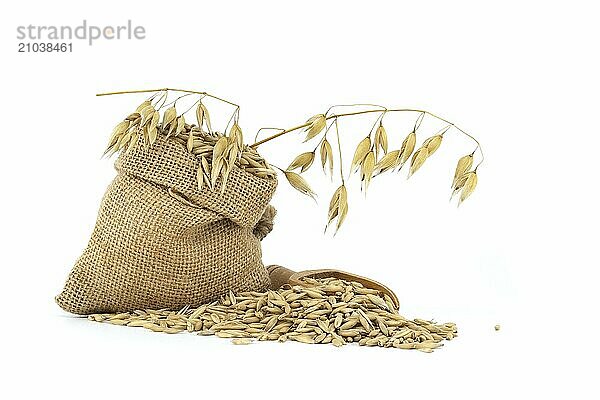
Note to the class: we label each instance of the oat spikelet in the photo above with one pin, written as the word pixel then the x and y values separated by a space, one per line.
pixel 304 161
pixel 147 115
pixel 132 142
pixel 460 182
pixel 152 135
pixel 468 187
pixel 338 207
pixel 133 117
pixel 145 104
pixel 199 114
pixel 172 128
pixel 190 142
pixel 118 131
pixel 463 165
pixel 327 155
pixel 180 125
pixel 153 127
pixel 169 116
pixel 381 141
pixel 367 170
pixel 124 140
pixel 299 183
pixel 215 172
pixel 333 205
pixel 237 136
pixel 408 146
pixel 317 124
pixel 219 148
pixel 387 162
pixel 433 143
pixel 218 159
pixel 230 156
pixel 360 153
pixel 206 117
pixel 418 160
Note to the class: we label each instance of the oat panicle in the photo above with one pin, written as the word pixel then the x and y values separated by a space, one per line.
pixel 218 154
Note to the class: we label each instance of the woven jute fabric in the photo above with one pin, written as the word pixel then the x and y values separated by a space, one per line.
pixel 159 242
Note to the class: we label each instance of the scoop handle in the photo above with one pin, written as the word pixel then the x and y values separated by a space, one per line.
pixel 279 275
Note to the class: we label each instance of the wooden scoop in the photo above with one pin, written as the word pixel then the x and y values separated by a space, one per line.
pixel 280 276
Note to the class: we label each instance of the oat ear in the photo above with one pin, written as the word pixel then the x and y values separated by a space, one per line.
pixel 387 162
pixel 408 146
pixel 316 125
pixel 418 160
pixel 367 168
pixel 338 207
pixel 432 144
pixel 299 183
pixel 462 166
pixel 381 141
pixel 199 114
pixel 303 161
pixel 327 156
pixel 190 142
pixel 468 187
pixel 142 106
pixel 360 153
pixel 206 117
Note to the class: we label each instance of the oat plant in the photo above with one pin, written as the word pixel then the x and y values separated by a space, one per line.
pixel 218 151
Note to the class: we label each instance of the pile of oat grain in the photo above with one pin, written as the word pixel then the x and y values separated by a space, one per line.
pixel 328 311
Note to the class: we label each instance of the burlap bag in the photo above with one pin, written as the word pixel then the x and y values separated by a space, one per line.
pixel 159 242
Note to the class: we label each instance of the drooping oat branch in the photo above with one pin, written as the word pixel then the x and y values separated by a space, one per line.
pixel 371 156
pixel 266 129
pixel 328 117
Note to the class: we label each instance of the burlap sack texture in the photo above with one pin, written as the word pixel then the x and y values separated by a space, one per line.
pixel 159 242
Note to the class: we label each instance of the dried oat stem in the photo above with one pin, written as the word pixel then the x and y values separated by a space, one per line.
pixel 168 90
pixel 337 134
pixel 266 129
pixel 353 105
pixel 283 132
pixel 380 110
pixel 174 102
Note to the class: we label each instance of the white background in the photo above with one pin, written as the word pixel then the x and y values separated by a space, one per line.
pixel 521 76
